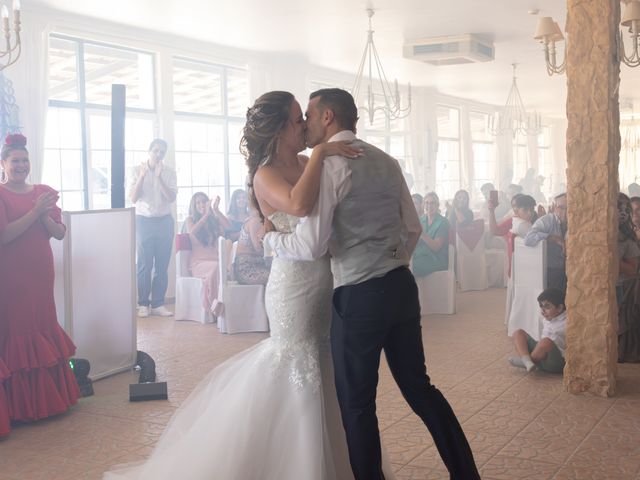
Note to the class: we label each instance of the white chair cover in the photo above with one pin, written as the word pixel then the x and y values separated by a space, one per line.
pixel 243 304
pixel 471 263
pixel 529 280
pixel 189 292
pixel 437 291
pixel 496 257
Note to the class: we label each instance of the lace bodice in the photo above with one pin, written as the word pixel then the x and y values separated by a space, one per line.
pixel 284 222
pixel 298 302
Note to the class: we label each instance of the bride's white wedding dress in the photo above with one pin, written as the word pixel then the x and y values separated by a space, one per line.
pixel 270 412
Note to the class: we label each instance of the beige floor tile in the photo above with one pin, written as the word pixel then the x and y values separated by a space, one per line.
pixel 508 468
pixel 405 440
pixel 519 425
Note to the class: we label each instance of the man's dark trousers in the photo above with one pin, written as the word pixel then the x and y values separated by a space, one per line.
pixel 384 313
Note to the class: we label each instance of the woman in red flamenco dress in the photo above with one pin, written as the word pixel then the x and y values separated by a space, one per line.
pixel 33 347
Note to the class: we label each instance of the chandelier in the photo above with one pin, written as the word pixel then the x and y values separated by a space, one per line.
pixel 391 106
pixel 9 55
pixel 513 118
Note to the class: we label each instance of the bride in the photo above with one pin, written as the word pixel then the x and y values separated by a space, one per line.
pixel 270 412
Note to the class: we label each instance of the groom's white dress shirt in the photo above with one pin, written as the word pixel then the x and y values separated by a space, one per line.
pixel 313 235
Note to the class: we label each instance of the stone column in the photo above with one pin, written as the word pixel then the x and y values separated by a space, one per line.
pixel 593 146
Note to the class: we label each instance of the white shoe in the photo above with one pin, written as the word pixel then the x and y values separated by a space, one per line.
pixel 143 311
pixel 161 311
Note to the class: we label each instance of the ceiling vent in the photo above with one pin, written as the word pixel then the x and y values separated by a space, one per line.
pixel 453 50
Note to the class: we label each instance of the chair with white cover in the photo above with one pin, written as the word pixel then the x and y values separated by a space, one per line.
pixel 496 257
pixel 470 257
pixel 529 280
pixel 189 290
pixel 437 291
pixel 244 309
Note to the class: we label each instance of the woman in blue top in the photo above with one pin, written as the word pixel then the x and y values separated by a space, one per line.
pixel 432 252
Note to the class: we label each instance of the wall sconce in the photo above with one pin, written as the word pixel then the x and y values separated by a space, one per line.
pixel 631 19
pixel 548 33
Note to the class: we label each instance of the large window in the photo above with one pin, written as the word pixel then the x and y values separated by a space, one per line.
pixel 448 156
pixel 210 103
pixel 484 151
pixel 77 157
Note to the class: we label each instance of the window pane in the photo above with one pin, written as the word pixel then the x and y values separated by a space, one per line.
pixel 447 168
pixel 396 147
pixel 197 87
pixel 484 166
pixel 72 201
pixel 377 141
pixel 51 169
pixel 71 169
pixel 105 66
pixel 478 123
pixel 448 122
pixel 63 70
pixel 237 93
pixel 63 167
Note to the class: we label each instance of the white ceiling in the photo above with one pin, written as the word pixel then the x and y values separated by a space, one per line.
pixel 332 33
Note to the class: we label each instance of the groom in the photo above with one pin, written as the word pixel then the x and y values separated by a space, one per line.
pixel 366 219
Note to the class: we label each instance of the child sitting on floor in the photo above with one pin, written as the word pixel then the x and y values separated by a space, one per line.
pixel 548 353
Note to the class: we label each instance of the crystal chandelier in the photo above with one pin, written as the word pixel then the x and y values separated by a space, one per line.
pixel 513 118
pixel 391 106
pixel 9 55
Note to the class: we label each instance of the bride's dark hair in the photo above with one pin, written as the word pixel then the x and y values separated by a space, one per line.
pixel 259 142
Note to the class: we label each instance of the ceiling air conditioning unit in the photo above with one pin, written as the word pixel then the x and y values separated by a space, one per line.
pixel 452 50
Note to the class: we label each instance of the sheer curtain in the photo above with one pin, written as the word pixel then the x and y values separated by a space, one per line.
pixel 30 80
pixel 629 168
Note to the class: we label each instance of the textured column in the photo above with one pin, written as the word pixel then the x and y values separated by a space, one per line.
pixel 593 146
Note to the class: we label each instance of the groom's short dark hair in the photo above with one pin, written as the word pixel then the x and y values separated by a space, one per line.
pixel 341 103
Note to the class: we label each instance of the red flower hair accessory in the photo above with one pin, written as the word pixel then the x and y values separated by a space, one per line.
pixel 15 140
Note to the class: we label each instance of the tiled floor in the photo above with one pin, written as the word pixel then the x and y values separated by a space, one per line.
pixel 520 426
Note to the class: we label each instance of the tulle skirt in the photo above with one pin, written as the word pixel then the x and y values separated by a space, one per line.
pixel 247 420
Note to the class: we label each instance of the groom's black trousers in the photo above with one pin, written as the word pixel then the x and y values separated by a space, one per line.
pixel 384 313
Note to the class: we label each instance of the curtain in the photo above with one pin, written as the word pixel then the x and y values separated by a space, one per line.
pixel 30 80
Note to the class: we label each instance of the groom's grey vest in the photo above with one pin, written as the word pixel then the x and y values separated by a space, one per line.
pixel 368 232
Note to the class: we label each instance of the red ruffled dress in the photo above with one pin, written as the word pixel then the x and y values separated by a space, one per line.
pixel 33 346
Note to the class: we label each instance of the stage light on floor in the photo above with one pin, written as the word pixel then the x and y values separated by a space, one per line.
pixel 81 368
pixel 147 388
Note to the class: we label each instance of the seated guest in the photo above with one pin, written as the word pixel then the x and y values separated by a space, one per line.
pixel 432 251
pixel 237 214
pixel 635 215
pixel 459 213
pixel 205 224
pixel 518 225
pixel 548 353
pixel 250 266
pixel 627 285
pixel 552 227
pixel 418 202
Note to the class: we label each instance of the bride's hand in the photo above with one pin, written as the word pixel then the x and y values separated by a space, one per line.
pixel 342 147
